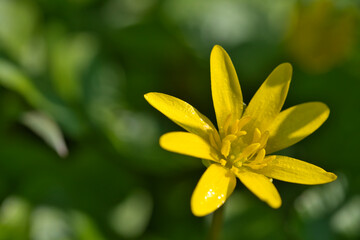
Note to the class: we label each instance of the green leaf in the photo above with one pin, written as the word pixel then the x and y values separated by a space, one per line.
pixel 69 56
pixel 49 223
pixel 84 227
pixel 14 218
pixel 46 128
pixel 12 77
pixel 18 20
pixel 131 217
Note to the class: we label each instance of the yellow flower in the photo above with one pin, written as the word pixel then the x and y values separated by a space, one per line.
pixel 244 136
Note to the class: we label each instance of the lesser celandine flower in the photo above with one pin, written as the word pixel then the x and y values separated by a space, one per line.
pixel 245 136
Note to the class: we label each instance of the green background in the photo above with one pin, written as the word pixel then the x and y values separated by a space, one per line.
pixel 79 153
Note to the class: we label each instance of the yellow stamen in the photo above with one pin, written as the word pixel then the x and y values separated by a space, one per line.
pixel 225 148
pixel 230 137
pixel 227 124
pixel 243 121
pixel 217 138
pixel 235 127
pixel 257 135
pixel 241 133
pixel 250 149
pixel 212 141
pixel 234 169
pixel 259 161
pixel 238 164
pixel 259 157
pixel 223 162
pixel 264 139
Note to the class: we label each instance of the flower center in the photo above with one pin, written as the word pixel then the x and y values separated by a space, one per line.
pixel 234 150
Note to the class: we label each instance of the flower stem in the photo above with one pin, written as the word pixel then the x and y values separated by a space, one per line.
pixel 216 224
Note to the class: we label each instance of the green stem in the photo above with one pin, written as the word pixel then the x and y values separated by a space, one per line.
pixel 216 224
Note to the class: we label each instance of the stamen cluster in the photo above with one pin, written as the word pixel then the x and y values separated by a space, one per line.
pixel 235 148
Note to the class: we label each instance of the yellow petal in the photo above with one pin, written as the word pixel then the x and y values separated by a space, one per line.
pixel 181 113
pixel 269 99
pixel 225 88
pixel 188 144
pixel 296 171
pixel 215 186
pixel 295 123
pixel 261 186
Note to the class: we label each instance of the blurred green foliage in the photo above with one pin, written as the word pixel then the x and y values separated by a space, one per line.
pixel 79 154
